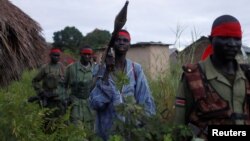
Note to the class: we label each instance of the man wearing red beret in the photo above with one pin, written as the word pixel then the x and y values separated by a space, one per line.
pixel 51 75
pixel 78 79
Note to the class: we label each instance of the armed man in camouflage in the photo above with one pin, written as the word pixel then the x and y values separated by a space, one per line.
pixel 216 90
pixel 50 93
pixel 78 79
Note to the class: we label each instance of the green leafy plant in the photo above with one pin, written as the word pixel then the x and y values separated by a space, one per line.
pixel 121 79
pixel 22 121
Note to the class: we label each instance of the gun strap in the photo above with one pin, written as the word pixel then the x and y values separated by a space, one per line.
pixel 135 75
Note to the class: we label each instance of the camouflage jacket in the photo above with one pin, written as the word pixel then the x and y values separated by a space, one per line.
pixel 205 96
pixel 78 79
pixel 51 76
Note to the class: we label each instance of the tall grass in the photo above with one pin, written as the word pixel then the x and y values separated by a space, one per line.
pixel 164 90
pixel 22 121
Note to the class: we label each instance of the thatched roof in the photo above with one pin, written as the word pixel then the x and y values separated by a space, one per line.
pixel 193 52
pixel 21 42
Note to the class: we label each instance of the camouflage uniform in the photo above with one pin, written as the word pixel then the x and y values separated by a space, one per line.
pixel 79 81
pixel 231 90
pixel 52 77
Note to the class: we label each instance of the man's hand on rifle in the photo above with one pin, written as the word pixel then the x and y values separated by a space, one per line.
pixel 48 95
pixel 110 62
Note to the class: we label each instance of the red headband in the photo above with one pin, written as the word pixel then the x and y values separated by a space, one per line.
pixel 208 51
pixel 125 34
pixel 55 51
pixel 231 29
pixel 86 51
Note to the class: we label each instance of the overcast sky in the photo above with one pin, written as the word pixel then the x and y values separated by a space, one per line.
pixel 147 20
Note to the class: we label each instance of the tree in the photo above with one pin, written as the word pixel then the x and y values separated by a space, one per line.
pixel 97 38
pixel 68 38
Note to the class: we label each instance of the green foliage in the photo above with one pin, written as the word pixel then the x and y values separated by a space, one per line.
pixel 97 39
pixel 130 129
pixel 138 125
pixel 68 38
pixel 164 89
pixel 72 53
pixel 181 133
pixel 121 79
pixel 23 121
pixel 116 138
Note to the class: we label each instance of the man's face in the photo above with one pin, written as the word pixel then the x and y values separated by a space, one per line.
pixel 85 57
pixel 122 44
pixel 55 57
pixel 226 48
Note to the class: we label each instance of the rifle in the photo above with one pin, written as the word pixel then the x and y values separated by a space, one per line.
pixel 43 98
pixel 120 21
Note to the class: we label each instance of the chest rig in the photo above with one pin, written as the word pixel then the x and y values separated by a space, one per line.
pixel 209 107
pixel 54 75
pixel 82 81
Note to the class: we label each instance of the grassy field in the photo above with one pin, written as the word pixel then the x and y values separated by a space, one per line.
pixel 22 121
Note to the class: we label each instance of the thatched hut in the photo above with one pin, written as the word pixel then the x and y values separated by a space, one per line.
pixel 21 42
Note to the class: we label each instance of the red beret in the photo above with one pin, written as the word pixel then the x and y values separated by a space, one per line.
pixel 86 51
pixel 124 33
pixel 55 50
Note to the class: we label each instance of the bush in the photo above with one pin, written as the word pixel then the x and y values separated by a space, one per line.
pixel 22 121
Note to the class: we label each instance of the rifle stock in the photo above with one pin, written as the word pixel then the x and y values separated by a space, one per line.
pixel 43 97
pixel 120 21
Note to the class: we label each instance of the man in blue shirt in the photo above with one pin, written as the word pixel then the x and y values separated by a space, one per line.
pixel 106 94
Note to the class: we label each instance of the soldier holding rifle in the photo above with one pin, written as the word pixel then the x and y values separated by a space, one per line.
pixel 51 93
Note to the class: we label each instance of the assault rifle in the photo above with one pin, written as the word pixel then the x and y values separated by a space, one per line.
pixel 120 21
pixel 43 98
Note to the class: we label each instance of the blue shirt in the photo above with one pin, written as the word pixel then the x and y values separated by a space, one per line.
pixel 103 97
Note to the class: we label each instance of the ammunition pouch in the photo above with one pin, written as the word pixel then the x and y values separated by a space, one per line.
pixel 51 81
pixel 45 98
pixel 80 90
pixel 49 99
